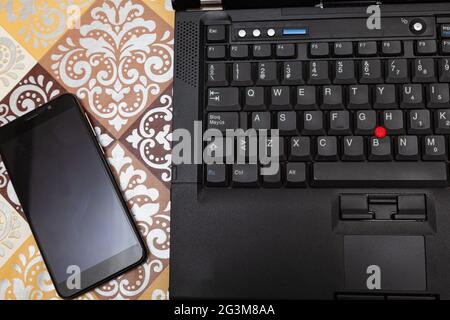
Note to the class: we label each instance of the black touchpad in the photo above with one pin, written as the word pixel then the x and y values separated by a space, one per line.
pixel 385 262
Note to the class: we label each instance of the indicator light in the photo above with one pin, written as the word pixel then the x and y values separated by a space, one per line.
pixel 295 31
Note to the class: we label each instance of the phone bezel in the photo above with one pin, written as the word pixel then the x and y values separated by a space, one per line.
pixel 99 273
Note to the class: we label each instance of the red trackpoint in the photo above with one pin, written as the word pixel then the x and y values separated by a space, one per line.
pixel 380 132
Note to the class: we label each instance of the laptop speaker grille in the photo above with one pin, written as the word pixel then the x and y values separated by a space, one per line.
pixel 187 52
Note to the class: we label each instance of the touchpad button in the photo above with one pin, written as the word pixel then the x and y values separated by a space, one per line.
pixel 385 262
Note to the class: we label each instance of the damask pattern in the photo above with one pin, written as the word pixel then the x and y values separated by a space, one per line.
pixel 151 139
pixel 37 24
pixel 15 62
pixel 120 64
pixel 27 278
pixel 13 230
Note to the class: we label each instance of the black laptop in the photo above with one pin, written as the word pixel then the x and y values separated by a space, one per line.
pixel 359 94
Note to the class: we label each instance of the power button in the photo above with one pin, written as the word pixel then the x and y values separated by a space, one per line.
pixel 417 26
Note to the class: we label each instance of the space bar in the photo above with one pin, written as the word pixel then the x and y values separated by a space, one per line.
pixel 379 174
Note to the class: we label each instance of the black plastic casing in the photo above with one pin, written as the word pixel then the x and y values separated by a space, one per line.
pixel 277 243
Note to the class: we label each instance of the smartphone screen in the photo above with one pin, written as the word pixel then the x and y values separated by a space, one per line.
pixel 71 202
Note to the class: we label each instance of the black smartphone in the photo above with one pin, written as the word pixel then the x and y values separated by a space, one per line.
pixel 75 209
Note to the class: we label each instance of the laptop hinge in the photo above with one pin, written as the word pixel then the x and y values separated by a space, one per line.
pixel 331 3
pixel 181 5
pixel 211 5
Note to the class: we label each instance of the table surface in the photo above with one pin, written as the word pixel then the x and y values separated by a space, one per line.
pixel 119 61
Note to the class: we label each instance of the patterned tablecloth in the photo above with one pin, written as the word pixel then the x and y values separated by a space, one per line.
pixel 118 60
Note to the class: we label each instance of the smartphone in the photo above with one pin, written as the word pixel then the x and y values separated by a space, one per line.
pixel 75 209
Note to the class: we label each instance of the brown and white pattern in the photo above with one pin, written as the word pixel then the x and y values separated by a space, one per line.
pixel 13 230
pixel 151 138
pixel 15 62
pixel 118 62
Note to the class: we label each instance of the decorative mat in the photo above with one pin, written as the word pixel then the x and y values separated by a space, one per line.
pixel 117 57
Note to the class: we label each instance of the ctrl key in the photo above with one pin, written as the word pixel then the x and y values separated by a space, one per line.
pixel 245 175
pixel 216 175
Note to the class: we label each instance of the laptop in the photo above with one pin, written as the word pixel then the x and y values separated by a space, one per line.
pixel 358 92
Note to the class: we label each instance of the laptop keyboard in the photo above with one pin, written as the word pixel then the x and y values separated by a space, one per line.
pixel 372 113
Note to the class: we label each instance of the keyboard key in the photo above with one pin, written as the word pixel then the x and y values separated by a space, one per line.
pixel 239 51
pixel 242 74
pixel 300 149
pixel 292 73
pixel 280 98
pixel 442 121
pixel 319 49
pixel 306 98
pixel 244 175
pixel 295 174
pixel 344 72
pixel 397 71
pixel 438 95
pixel 332 98
pixel 411 96
pixel 391 48
pixel 254 99
pixel 385 97
pixel 216 74
pixel 216 52
pixel 434 148
pixel 267 73
pixel 343 49
pixel 371 71
pixel 358 97
pixel 216 33
pixel 366 121
pixel 445 47
pixel 379 174
pixel 287 122
pixel 339 123
pixel 261 121
pixel 223 121
pixel 272 180
pixel 392 120
pixel 444 70
pixel 367 48
pixel 423 71
pixel 215 151
pixel 407 148
pixel 319 72
pixel 426 47
pixel 270 146
pixel 285 50
pixel 223 99
pixel 353 148
pixel 326 149
pixel 444 31
pixel 313 123
pixel 243 120
pixel 380 149
pixel 419 122
pixel 243 152
pixel 261 51
pixel 216 175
